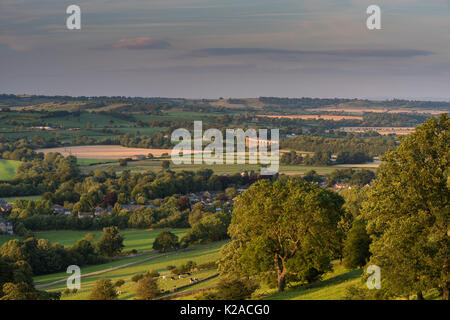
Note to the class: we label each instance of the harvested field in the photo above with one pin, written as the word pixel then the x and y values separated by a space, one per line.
pixel 377 110
pixel 105 152
pixel 313 116
pixel 381 130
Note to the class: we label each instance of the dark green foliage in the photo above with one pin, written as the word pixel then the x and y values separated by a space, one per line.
pixel 119 283
pixel 103 290
pixel 288 229
pixel 111 242
pixel 147 289
pixel 356 246
pixel 230 288
pixel 165 241
pixel 137 277
pixel 407 212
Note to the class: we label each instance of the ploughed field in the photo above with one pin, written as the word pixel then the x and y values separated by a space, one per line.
pixel 105 152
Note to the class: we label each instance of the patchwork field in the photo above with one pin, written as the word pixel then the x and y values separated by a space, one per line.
pixel 158 262
pixel 332 287
pixel 12 199
pixel 104 152
pixel 312 116
pixel 141 240
pixel 377 110
pixel 156 165
pixel 8 169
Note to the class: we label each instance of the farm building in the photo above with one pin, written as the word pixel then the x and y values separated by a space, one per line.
pixel 5 207
pixel 138 157
pixel 6 227
pixel 85 214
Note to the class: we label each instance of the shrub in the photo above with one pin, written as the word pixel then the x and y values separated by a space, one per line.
pixel 147 289
pixel 137 277
pixel 119 283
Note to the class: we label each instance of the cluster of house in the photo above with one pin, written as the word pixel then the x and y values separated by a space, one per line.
pixel 208 197
pixel 99 211
pixel 5 207
pixel 6 227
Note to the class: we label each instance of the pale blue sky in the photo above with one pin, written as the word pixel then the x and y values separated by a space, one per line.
pixel 228 48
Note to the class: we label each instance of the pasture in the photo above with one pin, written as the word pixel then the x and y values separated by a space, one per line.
pixel 158 262
pixel 8 169
pixel 141 240
pixel 156 165
pixel 12 199
pixel 331 287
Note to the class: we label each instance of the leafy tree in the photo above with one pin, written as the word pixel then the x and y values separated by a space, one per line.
pixel 18 291
pixel 152 274
pixel 137 277
pixel 407 212
pixel 119 283
pixel 123 162
pixel 111 242
pixel 165 164
pixel 235 288
pixel 103 290
pixel 147 289
pixel 356 246
pixel 165 240
pixel 285 228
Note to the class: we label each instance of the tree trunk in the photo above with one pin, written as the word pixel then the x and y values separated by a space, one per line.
pixel 445 293
pixel 420 296
pixel 281 282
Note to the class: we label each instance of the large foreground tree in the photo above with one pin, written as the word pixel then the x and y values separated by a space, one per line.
pixel 285 230
pixel 408 212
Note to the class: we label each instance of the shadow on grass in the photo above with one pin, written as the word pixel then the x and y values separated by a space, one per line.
pixel 298 291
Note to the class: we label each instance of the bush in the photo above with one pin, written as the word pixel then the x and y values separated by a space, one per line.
pixel 119 283
pixel 137 277
pixel 356 246
pixel 147 289
pixel 165 240
pixel 152 274
pixel 232 288
pixel 103 290
pixel 207 265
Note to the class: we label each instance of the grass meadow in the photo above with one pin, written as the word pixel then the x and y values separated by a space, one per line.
pixel 8 169
pixel 159 262
pixel 141 240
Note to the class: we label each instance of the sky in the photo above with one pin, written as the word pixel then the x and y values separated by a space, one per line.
pixel 226 48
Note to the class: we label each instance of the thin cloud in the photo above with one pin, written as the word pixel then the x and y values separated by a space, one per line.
pixel 396 53
pixel 141 43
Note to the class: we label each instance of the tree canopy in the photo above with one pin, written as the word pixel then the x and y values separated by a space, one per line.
pixel 285 230
pixel 407 211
